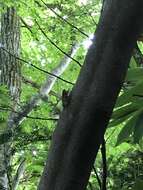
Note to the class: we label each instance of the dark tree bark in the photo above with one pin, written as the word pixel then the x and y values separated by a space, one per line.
pixel 10 75
pixel 83 122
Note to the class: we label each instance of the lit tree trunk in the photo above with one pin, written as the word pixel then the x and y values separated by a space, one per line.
pixel 83 122
pixel 9 76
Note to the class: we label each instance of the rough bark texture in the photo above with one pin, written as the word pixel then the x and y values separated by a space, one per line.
pixel 10 39
pixel 83 122
pixel 9 76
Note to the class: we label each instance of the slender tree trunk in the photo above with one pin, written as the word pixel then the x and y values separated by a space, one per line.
pixel 10 71
pixel 9 66
pixel 83 122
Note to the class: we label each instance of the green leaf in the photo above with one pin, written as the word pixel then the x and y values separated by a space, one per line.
pixel 121 114
pixel 138 185
pixel 130 95
pixel 134 75
pixel 116 122
pixel 126 110
pixel 133 63
pixel 35 168
pixel 127 129
pixel 138 130
pixel 2 126
pixel 5 137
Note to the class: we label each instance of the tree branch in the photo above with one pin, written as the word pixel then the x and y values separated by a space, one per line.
pixel 45 88
pixel 34 66
pixel 18 175
pixel 29 81
pixel 43 32
pixel 29 117
pixel 97 177
pixel 104 174
pixel 38 86
pixel 64 19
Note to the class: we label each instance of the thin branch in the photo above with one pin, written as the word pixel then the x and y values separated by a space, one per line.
pixel 18 175
pixel 64 19
pixel 56 45
pixel 92 18
pixel 90 185
pixel 26 140
pixel 29 117
pixel 26 25
pixel 38 86
pixel 104 175
pixel 45 88
pixel 97 177
pixel 110 135
pixel 103 4
pixel 34 66
pixel 7 167
pixel 42 118
pixel 49 40
pixel 29 81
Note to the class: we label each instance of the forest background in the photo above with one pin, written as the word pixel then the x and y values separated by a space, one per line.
pixel 42 49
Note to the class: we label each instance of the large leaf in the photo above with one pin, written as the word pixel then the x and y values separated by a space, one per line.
pixel 134 75
pixel 127 109
pixel 118 121
pixel 121 114
pixel 128 129
pixel 138 130
pixel 130 95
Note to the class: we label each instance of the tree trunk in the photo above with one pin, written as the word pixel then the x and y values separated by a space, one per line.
pixel 83 122
pixel 10 69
